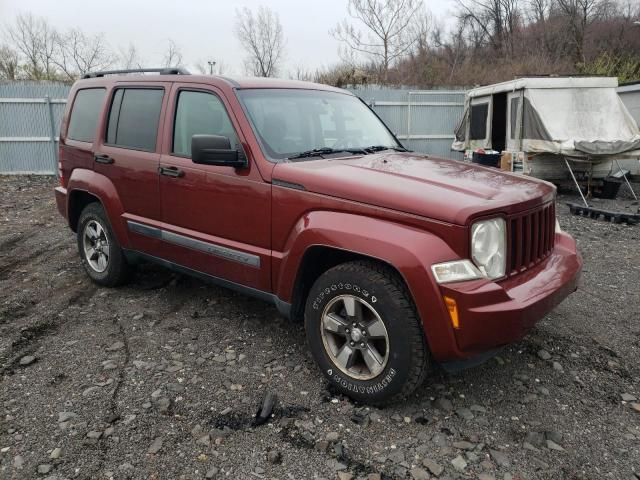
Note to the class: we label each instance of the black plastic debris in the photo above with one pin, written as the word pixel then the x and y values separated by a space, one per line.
pixel 609 216
pixel 265 409
pixel 360 417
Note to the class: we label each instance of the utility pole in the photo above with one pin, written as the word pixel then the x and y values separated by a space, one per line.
pixel 211 65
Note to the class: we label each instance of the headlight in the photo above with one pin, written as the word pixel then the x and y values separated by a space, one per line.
pixel 489 247
pixel 456 271
pixel 558 229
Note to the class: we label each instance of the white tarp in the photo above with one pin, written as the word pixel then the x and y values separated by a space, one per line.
pixel 591 121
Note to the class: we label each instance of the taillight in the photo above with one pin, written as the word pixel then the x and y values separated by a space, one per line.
pixel 60 175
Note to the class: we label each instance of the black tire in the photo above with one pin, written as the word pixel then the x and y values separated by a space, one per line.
pixel 117 269
pixel 381 288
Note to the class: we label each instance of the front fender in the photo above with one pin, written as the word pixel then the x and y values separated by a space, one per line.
pixel 101 187
pixel 411 251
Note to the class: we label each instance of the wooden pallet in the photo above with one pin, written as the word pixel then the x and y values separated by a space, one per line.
pixel 608 215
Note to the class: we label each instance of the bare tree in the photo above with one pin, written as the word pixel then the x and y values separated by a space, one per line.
pixel 129 58
pixel 300 72
pixel 383 31
pixel 262 37
pixel 496 20
pixel 422 29
pixel 173 55
pixel 579 14
pixel 78 53
pixel 35 40
pixel 9 63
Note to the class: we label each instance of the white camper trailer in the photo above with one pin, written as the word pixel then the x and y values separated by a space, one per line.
pixel 551 127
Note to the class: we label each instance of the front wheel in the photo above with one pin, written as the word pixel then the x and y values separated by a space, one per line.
pixel 364 333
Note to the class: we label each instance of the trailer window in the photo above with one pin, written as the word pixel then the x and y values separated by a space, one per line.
pixel 478 129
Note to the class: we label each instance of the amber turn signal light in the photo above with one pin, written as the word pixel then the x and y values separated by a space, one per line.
pixel 453 311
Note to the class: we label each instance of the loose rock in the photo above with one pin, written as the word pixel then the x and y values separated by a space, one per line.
pixel 418 473
pixel 115 346
pixel 459 463
pixel 433 466
pixel 212 472
pixel 66 416
pixel 56 453
pixel 27 360
pixel 500 458
pixel 443 404
pixel 544 355
pixel 155 446
pixel 551 445
pixel 274 457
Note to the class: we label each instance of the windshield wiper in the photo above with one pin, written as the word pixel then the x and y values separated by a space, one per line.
pixel 319 152
pixel 379 148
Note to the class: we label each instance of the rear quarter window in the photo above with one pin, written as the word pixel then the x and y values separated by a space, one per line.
pixel 86 109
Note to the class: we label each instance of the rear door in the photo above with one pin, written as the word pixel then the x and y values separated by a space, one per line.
pixel 129 156
pixel 216 219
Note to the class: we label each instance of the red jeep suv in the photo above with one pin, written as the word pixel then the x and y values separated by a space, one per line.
pixel 298 194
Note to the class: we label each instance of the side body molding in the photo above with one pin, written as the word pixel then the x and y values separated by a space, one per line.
pixel 409 250
pixel 100 186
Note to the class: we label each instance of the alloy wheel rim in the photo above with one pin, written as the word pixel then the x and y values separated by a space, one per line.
pixel 96 246
pixel 354 337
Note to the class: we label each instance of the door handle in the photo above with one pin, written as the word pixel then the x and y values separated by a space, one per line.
pixel 171 172
pixel 106 159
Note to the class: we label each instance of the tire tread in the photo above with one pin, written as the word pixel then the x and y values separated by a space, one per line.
pixel 389 279
pixel 119 269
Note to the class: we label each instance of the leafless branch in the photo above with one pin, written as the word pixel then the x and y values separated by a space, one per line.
pixel 262 37
pixel 382 30
pixel 172 56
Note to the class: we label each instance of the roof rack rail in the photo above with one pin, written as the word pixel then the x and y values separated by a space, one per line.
pixel 161 71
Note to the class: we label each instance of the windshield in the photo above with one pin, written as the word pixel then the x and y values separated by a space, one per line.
pixel 291 122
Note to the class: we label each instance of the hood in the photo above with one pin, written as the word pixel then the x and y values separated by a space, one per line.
pixel 437 188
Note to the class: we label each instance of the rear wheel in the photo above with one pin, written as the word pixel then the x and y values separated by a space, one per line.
pixel 364 333
pixel 101 256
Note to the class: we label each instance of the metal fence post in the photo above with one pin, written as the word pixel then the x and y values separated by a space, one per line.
pixel 409 116
pixel 52 128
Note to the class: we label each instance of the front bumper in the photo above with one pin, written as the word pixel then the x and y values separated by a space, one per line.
pixel 493 314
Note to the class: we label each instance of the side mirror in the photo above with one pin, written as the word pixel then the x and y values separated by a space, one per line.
pixel 216 150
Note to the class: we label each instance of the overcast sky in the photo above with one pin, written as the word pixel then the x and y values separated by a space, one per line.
pixel 203 29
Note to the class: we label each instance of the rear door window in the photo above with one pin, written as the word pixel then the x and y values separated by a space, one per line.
pixel 134 118
pixel 84 114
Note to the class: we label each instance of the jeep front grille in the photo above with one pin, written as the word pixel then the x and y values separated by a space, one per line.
pixel 530 238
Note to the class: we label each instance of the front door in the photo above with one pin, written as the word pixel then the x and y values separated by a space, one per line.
pixel 216 219
pixel 129 156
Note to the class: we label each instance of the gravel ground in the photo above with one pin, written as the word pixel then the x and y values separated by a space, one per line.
pixel 162 378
